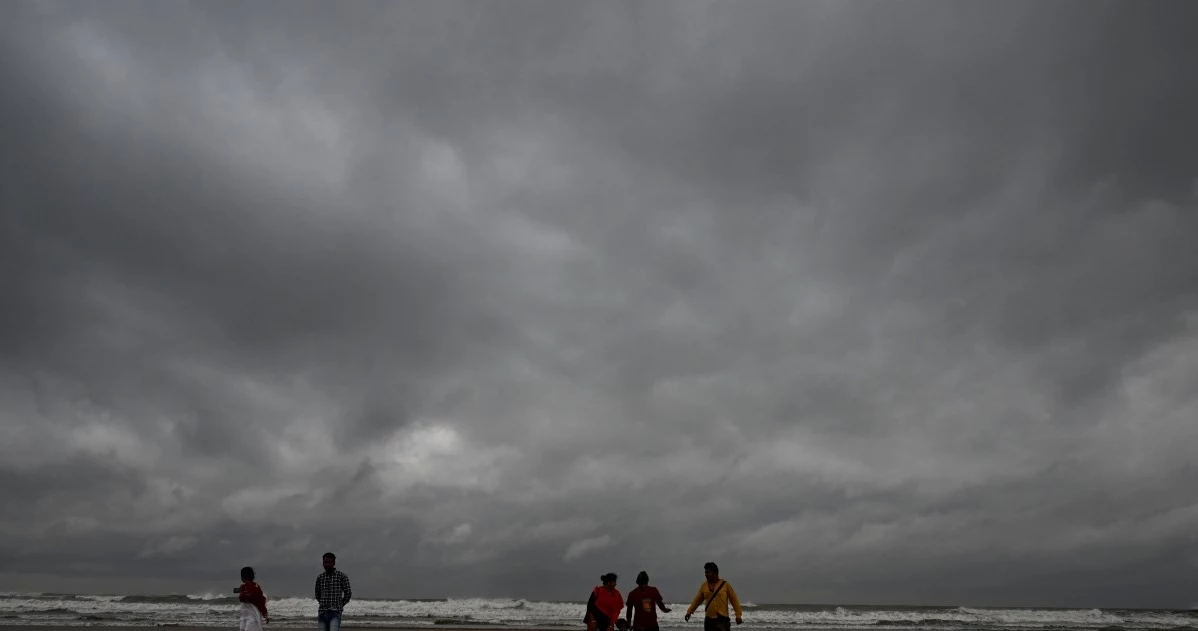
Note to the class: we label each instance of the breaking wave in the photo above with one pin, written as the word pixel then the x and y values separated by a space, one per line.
pixel 221 610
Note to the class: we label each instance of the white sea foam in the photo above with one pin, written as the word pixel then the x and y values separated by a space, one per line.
pixel 210 609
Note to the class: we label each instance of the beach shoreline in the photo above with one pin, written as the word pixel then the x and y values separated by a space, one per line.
pixel 233 625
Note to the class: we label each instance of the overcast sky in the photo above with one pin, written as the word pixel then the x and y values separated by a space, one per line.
pixel 867 302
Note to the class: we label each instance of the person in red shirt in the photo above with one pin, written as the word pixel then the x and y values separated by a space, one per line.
pixel 253 602
pixel 603 609
pixel 643 603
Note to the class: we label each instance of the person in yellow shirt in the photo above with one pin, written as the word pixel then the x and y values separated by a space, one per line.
pixel 716 593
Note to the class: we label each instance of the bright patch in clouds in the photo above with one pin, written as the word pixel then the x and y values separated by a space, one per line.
pixel 584 547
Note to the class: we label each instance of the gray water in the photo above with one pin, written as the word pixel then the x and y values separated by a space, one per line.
pixel 222 610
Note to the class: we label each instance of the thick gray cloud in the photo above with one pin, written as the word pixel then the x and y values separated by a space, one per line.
pixel 866 302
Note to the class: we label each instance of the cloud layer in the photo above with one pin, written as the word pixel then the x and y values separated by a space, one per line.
pixel 868 303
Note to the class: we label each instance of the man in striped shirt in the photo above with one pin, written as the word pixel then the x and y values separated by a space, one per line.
pixel 332 593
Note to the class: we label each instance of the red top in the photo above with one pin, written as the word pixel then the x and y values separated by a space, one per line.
pixel 251 593
pixel 644 600
pixel 609 602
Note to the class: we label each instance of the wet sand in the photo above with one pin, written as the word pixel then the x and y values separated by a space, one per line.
pixel 273 625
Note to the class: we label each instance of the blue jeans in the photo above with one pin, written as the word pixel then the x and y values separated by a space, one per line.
pixel 329 621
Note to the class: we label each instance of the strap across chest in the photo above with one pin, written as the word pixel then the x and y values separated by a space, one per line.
pixel 711 598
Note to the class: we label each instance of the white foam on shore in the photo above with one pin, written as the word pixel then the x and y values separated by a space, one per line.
pixel 209 609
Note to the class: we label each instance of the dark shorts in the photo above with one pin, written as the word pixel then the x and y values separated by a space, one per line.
pixel 718 623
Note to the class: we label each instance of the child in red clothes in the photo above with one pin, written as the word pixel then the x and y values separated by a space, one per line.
pixel 253 602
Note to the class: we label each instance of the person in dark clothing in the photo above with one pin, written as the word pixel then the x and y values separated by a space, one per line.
pixel 643 603
pixel 332 593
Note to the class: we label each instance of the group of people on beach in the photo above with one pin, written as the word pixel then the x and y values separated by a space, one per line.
pixel 608 611
pixel 333 592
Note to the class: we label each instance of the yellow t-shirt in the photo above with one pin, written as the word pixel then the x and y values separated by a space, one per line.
pixel 719 605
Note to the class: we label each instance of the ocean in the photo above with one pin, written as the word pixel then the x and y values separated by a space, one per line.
pixel 221 611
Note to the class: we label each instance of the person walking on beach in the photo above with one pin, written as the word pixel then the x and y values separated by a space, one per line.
pixel 253 602
pixel 332 594
pixel 603 608
pixel 716 594
pixel 643 602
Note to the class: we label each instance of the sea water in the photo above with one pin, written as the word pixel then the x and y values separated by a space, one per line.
pixel 221 610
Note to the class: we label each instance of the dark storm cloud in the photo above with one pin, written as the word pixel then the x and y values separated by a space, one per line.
pixel 864 301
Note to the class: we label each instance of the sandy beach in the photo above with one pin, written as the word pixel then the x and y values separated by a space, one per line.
pixel 284 625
